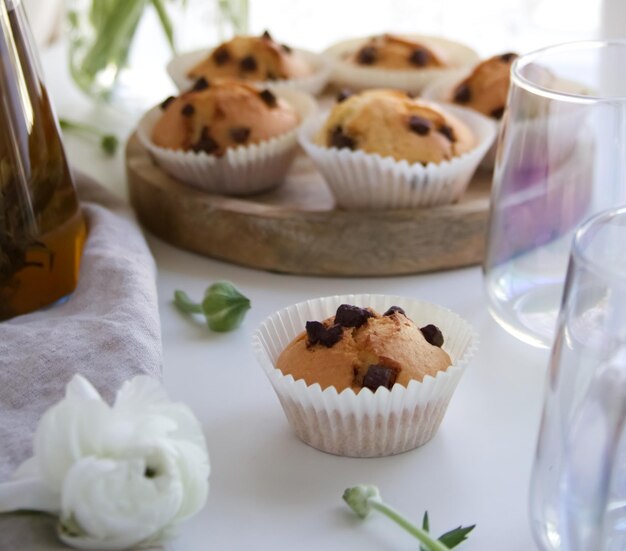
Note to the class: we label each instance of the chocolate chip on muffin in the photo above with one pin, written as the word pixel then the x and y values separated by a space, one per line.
pixel 351 316
pixel 201 84
pixel 367 55
pixel 205 142
pixel 318 333
pixel 419 57
pixel 248 63
pixel 221 56
pixel 432 334
pixel 379 375
pixel 420 125
pixel 268 97
pixel 462 94
pixel 188 110
pixel 240 134
pixel 394 310
pixel 341 140
pixel 166 102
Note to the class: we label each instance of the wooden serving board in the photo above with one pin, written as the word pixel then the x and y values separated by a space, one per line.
pixel 296 228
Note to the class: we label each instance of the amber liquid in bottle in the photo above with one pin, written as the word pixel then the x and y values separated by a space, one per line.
pixel 42 230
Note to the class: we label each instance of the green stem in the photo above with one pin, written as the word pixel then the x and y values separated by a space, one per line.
pixel 66 124
pixel 166 23
pixel 113 37
pixel 421 535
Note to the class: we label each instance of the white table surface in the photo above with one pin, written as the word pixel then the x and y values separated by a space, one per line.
pixel 271 491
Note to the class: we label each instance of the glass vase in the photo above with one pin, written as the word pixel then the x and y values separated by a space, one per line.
pixel 41 226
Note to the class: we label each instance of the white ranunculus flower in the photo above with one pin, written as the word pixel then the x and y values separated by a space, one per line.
pixel 117 476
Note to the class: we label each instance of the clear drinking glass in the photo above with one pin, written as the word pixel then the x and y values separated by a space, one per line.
pixel 578 486
pixel 561 158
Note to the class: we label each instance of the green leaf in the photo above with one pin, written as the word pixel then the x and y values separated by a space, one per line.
pixel 166 23
pixel 425 527
pixel 454 537
pixel 224 306
pixel 109 144
pixel 185 304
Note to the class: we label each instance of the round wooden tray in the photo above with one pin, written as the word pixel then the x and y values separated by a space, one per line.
pixel 296 228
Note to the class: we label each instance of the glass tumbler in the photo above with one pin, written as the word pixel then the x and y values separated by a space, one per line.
pixel 578 485
pixel 561 158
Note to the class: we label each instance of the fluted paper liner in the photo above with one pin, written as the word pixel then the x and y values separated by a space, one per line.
pixel 364 424
pixel 313 84
pixel 361 77
pixel 242 170
pixel 366 181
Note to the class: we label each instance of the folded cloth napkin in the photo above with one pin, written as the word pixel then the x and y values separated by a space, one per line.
pixel 108 330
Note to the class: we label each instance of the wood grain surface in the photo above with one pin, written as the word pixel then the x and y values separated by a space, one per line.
pixel 296 229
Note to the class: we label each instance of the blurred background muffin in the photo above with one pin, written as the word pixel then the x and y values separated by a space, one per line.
pixel 220 115
pixel 486 88
pixel 393 124
pixel 256 58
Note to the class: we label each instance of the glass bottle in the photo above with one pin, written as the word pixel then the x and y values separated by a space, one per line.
pixel 42 230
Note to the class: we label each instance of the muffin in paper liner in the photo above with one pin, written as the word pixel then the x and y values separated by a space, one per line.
pixel 440 90
pixel 355 77
pixel 368 181
pixel 313 83
pixel 243 170
pixel 364 424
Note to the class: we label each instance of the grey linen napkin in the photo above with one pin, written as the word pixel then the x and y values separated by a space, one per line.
pixel 108 330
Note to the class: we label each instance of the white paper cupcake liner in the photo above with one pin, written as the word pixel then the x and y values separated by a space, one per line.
pixel 354 77
pixel 243 170
pixel 313 84
pixel 364 424
pixel 366 181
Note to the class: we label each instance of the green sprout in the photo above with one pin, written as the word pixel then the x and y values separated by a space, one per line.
pixel 223 306
pixel 365 498
pixel 108 142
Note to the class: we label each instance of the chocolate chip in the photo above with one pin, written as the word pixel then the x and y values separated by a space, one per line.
pixel 248 64
pixel 287 49
pixel 351 316
pixel 221 56
pixel 508 57
pixel 270 76
pixel 343 95
pixel 379 375
pixel 419 57
pixel 462 94
pixel 432 334
pixel 205 142
pixel 367 55
pixel 318 334
pixel 266 34
pixel 188 110
pixel 394 310
pixel 497 112
pixel 448 132
pixel 240 134
pixel 166 102
pixel 340 140
pixel 268 98
pixel 201 84
pixel 420 125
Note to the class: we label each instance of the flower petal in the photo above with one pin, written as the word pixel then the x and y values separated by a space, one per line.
pixel 28 494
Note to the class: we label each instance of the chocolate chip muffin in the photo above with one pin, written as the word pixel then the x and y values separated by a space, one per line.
pixel 388 51
pixel 256 58
pixel 359 348
pixel 394 124
pixel 216 116
pixel 485 90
